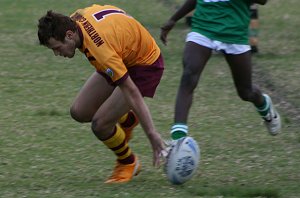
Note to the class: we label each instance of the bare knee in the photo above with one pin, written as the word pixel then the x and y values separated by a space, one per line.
pixel 189 80
pixel 102 129
pixel 79 115
pixel 95 126
pixel 246 95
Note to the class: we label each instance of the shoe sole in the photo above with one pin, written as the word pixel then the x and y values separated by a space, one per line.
pixel 136 171
pixel 137 168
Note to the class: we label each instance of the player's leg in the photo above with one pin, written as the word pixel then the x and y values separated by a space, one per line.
pixel 90 99
pixel 194 60
pixel 105 127
pixel 128 122
pixel 85 105
pixel 241 69
pixel 91 96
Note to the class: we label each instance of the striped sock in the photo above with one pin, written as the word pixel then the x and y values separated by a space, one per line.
pixel 179 130
pixel 127 120
pixel 123 118
pixel 265 108
pixel 119 146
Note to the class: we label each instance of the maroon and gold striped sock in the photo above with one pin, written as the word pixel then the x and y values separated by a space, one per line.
pixel 119 146
pixel 127 120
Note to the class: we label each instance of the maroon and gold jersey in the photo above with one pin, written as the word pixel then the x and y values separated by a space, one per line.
pixel 114 41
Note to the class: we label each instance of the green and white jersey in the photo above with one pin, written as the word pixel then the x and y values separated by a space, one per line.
pixel 223 20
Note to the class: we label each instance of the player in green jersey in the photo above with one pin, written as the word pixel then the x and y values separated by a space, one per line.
pixel 220 25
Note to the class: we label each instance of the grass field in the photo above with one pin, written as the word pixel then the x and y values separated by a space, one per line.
pixel 44 153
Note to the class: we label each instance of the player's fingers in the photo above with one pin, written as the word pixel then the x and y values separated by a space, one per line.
pixel 154 161
pixel 165 29
pixel 157 158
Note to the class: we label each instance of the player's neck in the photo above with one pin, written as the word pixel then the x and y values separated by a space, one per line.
pixel 78 38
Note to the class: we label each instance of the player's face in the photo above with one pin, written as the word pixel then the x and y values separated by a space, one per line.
pixel 65 49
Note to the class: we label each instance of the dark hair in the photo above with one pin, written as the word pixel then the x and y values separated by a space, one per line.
pixel 54 25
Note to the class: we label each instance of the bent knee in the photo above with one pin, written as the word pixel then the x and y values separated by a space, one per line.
pixel 102 129
pixel 79 115
pixel 189 80
pixel 246 95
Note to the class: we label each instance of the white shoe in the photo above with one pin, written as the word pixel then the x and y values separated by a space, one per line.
pixel 272 119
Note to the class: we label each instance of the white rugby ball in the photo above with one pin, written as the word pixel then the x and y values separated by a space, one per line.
pixel 182 160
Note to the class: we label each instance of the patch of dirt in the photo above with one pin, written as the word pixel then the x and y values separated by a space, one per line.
pixel 265 82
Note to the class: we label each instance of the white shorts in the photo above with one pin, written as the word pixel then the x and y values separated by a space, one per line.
pixel 216 45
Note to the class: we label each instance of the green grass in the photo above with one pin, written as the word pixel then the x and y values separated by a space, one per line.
pixel 44 153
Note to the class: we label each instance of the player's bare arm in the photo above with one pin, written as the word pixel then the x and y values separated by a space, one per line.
pixel 137 103
pixel 186 8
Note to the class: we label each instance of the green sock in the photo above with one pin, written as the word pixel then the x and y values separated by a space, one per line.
pixel 264 109
pixel 178 131
pixel 177 135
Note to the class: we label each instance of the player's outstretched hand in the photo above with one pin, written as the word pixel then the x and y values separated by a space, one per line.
pixel 157 146
pixel 165 29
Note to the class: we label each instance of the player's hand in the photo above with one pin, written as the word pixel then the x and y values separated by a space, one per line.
pixel 165 29
pixel 157 146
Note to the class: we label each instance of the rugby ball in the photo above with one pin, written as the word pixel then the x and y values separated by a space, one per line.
pixel 182 160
